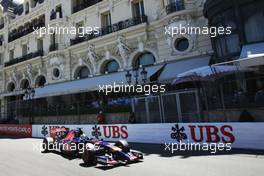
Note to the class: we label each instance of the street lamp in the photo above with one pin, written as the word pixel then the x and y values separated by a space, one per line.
pixel 144 75
pixel 135 72
pixel 128 77
pixel 29 95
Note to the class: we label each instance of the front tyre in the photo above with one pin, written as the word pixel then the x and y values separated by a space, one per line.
pixel 88 155
pixel 123 145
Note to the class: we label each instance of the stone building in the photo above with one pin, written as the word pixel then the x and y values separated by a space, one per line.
pixel 132 34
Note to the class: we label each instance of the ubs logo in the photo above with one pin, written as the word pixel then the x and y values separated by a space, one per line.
pixel 178 133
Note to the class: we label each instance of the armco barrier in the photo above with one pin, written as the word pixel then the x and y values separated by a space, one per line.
pixel 240 135
pixel 11 130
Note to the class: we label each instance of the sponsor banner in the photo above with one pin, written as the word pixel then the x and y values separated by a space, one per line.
pixel 240 135
pixel 15 130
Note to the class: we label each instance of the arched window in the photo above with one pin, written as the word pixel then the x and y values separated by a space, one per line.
pixel 40 81
pixel 145 59
pixel 254 26
pixel 82 72
pixel 11 87
pixel 24 84
pixel 111 67
pixel 226 45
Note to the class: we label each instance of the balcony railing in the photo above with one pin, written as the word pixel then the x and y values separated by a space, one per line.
pixel 174 7
pixel 54 47
pixel 112 28
pixel 26 30
pixel 24 58
pixel 2 26
pixel 86 4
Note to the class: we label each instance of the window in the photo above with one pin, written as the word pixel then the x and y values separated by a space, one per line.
pixel 11 87
pixel 1 59
pixel 40 44
pixel 145 59
pixel 53 39
pixel 253 20
pixel 27 8
pixel 58 10
pixel 24 84
pixel 56 73
pixel 106 19
pixel 254 26
pixel 138 8
pixel 111 67
pixel 11 54
pixel 40 81
pixel 24 50
pixel 181 44
pixel 33 3
pixel 106 23
pixel 80 29
pixel 82 72
pixel 226 45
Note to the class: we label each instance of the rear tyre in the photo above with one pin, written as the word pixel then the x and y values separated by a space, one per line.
pixel 123 145
pixel 89 156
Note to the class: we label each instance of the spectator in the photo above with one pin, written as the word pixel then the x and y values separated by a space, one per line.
pixel 100 118
pixel 132 118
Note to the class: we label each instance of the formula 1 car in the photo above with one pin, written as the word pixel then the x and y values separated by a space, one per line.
pixel 110 153
pixel 92 151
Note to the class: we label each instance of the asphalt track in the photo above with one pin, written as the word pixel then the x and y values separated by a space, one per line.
pixel 19 158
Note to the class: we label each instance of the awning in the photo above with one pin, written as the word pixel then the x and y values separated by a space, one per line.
pixel 88 84
pixel 172 70
pixel 251 55
pixel 256 49
pixel 206 73
pixel 9 94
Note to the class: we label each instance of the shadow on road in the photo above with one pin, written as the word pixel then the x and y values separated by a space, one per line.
pixel 108 167
pixel 159 149
pixel 64 155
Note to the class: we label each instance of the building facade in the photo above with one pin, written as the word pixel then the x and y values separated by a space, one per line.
pixel 132 33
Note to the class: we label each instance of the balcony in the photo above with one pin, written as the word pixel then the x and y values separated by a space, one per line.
pixel 54 47
pixel 24 58
pixel 112 28
pixel 174 7
pixel 86 4
pixel 24 31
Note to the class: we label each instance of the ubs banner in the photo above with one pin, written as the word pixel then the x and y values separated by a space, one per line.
pixel 240 135
pixel 16 130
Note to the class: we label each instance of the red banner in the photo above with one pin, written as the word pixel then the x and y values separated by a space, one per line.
pixel 15 130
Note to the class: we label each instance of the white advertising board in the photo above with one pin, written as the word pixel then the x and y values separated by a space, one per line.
pixel 240 135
